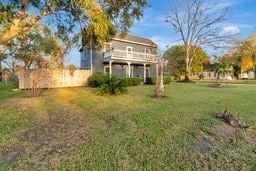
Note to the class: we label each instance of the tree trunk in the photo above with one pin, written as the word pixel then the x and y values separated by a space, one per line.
pixel 1 74
pixel 254 69
pixel 187 72
pixel 11 33
pixel 157 86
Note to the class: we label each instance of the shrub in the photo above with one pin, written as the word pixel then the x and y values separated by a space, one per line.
pixel 150 80
pixel 97 79
pixel 131 81
pixel 113 86
pixel 167 80
pixel 135 81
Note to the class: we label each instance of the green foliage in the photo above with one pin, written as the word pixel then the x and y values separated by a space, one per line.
pixel 98 19
pixel 134 81
pixel 36 48
pixel 150 81
pixel 98 79
pixel 131 132
pixel 176 56
pixel 113 86
pixel 220 67
pixel 167 80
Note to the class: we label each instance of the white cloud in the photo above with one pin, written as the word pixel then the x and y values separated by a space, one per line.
pixel 230 30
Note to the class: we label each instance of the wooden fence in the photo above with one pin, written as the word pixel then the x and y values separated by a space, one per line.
pixel 46 78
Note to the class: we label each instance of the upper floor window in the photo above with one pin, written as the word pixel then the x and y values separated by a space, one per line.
pixel 147 52
pixel 129 52
pixel 107 47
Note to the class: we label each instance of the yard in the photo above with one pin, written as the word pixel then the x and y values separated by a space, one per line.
pixel 74 129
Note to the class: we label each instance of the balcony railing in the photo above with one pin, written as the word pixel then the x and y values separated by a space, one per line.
pixel 122 54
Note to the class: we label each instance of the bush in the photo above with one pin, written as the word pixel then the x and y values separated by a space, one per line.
pixel 131 81
pixel 167 80
pixel 97 79
pixel 135 81
pixel 150 81
pixel 113 86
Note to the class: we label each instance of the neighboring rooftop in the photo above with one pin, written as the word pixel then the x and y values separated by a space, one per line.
pixel 135 39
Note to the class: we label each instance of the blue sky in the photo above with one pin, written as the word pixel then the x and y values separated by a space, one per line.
pixel 153 26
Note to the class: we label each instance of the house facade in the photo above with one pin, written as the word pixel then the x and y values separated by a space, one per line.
pixel 128 56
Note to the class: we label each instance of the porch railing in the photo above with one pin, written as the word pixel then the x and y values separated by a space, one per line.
pixel 122 54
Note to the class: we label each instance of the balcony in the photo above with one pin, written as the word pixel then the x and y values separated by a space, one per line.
pixel 123 55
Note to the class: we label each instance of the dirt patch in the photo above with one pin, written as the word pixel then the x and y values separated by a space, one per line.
pixel 10 155
pixel 52 139
pixel 158 97
pixel 204 145
pixel 215 138
pixel 59 137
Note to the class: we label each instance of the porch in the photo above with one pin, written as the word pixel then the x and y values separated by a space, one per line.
pixel 128 69
pixel 135 63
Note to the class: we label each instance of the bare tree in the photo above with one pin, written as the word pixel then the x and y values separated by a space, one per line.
pixel 198 23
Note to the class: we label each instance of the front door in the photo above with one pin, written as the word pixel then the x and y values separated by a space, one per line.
pixel 129 52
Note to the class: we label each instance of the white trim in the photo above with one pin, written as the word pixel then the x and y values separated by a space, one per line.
pixel 129 53
pixel 128 41
pixel 127 71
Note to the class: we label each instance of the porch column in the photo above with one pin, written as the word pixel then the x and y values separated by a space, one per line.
pixel 110 68
pixel 129 69
pixel 145 73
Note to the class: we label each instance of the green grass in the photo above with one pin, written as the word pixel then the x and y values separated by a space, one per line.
pixel 6 91
pixel 132 131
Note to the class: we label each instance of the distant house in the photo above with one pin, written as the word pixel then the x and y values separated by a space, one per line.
pixel 247 75
pixel 128 56
pixel 209 74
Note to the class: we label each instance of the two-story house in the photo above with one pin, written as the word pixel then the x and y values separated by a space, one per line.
pixel 128 56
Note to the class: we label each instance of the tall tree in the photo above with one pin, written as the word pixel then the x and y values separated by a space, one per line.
pixel 176 56
pixel 34 49
pixel 247 53
pixel 102 17
pixel 198 24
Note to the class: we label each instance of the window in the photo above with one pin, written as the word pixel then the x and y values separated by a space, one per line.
pixel 147 52
pixel 129 52
pixel 106 70
pixel 107 47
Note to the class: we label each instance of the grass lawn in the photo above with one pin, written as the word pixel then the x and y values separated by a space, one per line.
pixel 74 129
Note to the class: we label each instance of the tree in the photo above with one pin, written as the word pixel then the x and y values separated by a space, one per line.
pixel 103 18
pixel 34 49
pixel 219 68
pixel 247 53
pixel 176 56
pixel 198 24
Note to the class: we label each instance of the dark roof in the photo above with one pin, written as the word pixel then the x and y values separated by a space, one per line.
pixel 136 39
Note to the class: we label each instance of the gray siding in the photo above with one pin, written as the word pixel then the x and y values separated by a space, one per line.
pixel 118 70
pixel 97 61
pixel 136 47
